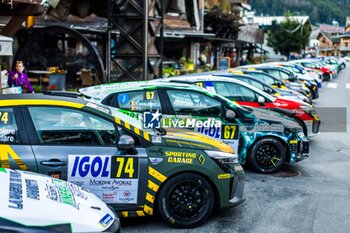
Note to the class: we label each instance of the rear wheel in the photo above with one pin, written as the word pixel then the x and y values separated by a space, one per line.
pixel 186 200
pixel 267 155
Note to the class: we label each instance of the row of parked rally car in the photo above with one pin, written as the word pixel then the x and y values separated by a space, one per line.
pixel 263 112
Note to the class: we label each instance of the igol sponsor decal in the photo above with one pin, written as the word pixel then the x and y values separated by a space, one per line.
pixel 32 189
pixel 15 192
pixel 180 157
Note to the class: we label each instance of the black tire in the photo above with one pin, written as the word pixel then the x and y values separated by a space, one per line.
pixel 326 77
pixel 186 200
pixel 267 155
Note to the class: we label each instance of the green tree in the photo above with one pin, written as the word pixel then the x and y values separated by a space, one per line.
pixel 289 36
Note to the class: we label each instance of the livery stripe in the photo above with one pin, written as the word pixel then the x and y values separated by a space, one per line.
pixel 153 186
pixel 146 136
pixel 127 125
pixel 153 172
pixel 16 102
pixel 5 151
pixel 150 198
pixel 148 210
pixel 140 213
pixel 125 214
pixel 117 120
pixel 137 131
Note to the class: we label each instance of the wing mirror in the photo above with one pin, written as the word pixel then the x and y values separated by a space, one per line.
pixel 230 115
pixel 261 100
pixel 127 144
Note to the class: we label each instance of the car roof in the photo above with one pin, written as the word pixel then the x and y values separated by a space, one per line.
pixel 220 78
pixel 41 96
pixel 74 102
pixel 102 91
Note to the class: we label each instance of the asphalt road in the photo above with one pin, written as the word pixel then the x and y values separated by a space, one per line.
pixel 317 200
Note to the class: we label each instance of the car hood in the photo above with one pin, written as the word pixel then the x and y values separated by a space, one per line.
pixel 272 117
pixel 288 103
pixel 190 139
pixel 36 200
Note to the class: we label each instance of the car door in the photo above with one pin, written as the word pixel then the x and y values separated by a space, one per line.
pixel 15 150
pixel 201 107
pixel 81 147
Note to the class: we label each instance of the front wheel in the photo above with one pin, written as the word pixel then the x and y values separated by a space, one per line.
pixel 186 200
pixel 267 155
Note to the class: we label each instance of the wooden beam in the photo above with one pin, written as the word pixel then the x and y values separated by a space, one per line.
pixel 13 26
pixel 21 10
pixel 34 2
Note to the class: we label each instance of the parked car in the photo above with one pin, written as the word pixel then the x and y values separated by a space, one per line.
pixel 264 139
pixel 327 72
pixel 183 176
pixel 31 202
pixel 264 81
pixel 248 95
pixel 286 77
pixel 302 73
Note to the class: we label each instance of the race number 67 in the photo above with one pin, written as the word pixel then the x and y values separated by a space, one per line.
pixel 229 131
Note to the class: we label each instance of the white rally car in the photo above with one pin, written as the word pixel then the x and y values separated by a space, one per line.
pixel 31 202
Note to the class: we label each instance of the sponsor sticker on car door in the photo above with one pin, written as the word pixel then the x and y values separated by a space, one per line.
pixel 114 179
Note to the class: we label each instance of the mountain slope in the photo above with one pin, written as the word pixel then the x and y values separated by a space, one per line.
pixel 320 11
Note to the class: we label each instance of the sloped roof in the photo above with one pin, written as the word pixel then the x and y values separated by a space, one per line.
pixel 267 20
pixel 331 28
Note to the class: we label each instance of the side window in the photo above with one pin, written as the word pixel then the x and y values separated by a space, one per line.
pixel 64 126
pixel 8 127
pixel 235 91
pixel 284 75
pixel 255 84
pixel 188 102
pixel 264 78
pixel 139 101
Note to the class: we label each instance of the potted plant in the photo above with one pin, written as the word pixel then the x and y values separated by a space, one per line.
pixel 190 64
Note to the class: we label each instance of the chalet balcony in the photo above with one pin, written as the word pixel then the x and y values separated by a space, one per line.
pixel 344 48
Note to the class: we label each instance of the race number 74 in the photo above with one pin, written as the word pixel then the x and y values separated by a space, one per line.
pixel 4 117
pixel 125 167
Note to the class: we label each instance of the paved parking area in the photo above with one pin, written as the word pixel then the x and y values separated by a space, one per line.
pixel 311 196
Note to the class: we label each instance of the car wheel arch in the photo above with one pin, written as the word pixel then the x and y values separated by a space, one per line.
pixel 206 177
pixel 284 143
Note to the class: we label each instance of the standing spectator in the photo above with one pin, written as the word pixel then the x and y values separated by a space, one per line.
pixel 18 78
pixel 243 61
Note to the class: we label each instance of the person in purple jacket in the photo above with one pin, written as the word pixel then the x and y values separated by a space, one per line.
pixel 19 79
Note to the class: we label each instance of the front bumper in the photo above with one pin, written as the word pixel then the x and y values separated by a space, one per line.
pixel 315 92
pixel 237 190
pixel 313 127
pixel 299 148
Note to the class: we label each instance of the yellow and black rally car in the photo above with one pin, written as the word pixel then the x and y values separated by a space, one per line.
pixel 181 175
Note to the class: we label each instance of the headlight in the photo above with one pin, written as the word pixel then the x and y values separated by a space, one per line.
pixel 307 107
pixel 222 157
